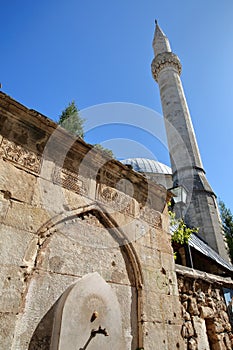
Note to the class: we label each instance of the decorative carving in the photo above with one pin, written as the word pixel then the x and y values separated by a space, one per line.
pixel 69 180
pixel 109 195
pixel 19 155
pixel 116 199
pixel 165 59
pixel 151 216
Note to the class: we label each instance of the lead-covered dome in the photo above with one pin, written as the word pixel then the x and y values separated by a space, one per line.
pixel 154 170
pixel 149 166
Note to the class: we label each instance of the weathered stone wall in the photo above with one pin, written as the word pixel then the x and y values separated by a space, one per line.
pixel 206 323
pixel 68 212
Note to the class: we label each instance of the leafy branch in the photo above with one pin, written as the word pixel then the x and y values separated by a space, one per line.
pixel 227 225
pixel 180 231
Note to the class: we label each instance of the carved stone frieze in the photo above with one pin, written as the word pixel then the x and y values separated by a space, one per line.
pixel 116 200
pixel 151 216
pixel 165 59
pixel 19 155
pixel 70 180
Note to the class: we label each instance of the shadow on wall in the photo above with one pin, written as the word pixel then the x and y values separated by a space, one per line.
pixel 41 338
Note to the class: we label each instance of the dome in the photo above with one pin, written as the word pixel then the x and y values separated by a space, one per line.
pixel 150 166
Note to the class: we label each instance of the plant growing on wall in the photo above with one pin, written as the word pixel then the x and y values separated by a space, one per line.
pixel 180 232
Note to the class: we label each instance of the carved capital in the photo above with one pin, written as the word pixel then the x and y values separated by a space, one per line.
pixel 163 60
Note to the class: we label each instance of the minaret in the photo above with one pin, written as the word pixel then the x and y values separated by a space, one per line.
pixel 187 168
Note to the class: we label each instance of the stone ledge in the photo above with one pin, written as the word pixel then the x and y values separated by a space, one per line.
pixel 207 277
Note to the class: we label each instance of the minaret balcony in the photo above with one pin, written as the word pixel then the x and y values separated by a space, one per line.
pixel 163 60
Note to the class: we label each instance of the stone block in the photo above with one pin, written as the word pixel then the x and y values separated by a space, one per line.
pixel 171 309
pixel 206 312
pixel 14 244
pixel 127 297
pixel 162 337
pixel 192 306
pixel 19 183
pixel 149 257
pixel 187 330
pixel 78 259
pixel 26 217
pixel 43 291
pixel 50 197
pixel 155 280
pixel 7 330
pixel 168 262
pixel 155 336
pixel 164 243
pixel 174 339
pixel 12 286
pixel 218 326
pixel 56 199
pixel 222 342
pixel 161 308
pixel 200 330
pixel 4 206
pixel 185 315
pixel 192 344
pixel 152 308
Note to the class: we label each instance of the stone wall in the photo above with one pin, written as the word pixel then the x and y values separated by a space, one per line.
pixel 206 323
pixel 67 214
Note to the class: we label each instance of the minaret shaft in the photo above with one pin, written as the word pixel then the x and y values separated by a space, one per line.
pixel 187 168
pixel 176 112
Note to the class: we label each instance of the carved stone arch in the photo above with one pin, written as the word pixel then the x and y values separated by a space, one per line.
pixel 121 238
pixel 50 230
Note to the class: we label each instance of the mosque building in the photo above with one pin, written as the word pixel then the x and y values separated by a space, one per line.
pixel 87 263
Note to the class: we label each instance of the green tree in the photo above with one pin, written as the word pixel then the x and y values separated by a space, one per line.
pixel 227 225
pixel 105 151
pixel 71 120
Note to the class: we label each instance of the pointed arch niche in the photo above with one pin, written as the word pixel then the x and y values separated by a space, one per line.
pixel 81 268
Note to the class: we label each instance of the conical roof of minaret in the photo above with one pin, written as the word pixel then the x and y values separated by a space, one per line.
pixel 160 43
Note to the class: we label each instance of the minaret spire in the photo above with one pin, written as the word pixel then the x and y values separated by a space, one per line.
pixel 186 162
pixel 160 43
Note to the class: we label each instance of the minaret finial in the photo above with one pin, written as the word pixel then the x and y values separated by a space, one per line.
pixel 160 42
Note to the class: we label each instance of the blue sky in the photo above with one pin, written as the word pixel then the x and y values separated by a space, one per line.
pixel 99 52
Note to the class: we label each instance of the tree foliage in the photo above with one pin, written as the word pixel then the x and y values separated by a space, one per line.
pixel 180 231
pixel 227 225
pixel 106 151
pixel 71 120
